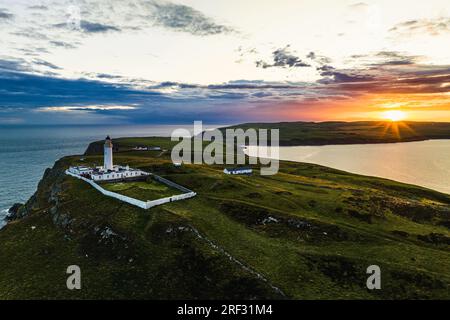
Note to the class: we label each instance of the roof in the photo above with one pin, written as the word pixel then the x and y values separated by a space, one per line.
pixel 238 169
pixel 81 168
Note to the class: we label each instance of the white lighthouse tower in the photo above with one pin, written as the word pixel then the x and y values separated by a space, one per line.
pixel 108 154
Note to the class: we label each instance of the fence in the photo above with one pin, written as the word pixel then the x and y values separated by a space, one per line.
pixel 136 202
pixel 171 184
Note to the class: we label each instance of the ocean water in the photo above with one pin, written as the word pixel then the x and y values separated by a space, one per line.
pixel 26 151
pixel 423 163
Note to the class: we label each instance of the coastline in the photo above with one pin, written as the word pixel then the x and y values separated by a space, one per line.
pixel 357 132
pixel 351 143
pixel 360 143
pixel 68 223
pixel 423 163
pixel 4 212
pixel 3 217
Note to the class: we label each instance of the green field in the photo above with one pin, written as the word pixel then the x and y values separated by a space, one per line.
pixel 310 231
pixel 141 190
pixel 321 133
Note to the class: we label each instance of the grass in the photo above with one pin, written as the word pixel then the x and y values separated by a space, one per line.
pixel 326 227
pixel 336 132
pixel 141 190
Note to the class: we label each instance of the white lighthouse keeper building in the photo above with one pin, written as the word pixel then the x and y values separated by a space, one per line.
pixel 108 172
pixel 108 154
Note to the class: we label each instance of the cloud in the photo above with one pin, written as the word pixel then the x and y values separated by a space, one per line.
pixel 311 55
pixel 70 101
pixel 38 7
pixel 32 33
pixel 88 27
pixel 283 58
pixel 186 19
pixel 5 15
pixel 44 63
pixel 416 79
pixel 85 108
pixel 387 58
pixel 93 27
pixel 62 44
pixel 385 72
pixel 237 84
pixel 14 65
pixel 118 98
pixel 43 91
pixel 332 75
pixel 433 27
pixel 358 5
pixel 395 58
pixel 107 76
pixel 382 59
pixel 339 76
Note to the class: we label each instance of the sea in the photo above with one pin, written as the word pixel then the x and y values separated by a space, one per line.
pixel 424 163
pixel 26 151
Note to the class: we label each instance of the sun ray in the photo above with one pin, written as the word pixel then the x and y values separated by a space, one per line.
pixel 394 115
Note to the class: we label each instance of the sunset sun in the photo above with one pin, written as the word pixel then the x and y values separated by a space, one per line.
pixel 394 115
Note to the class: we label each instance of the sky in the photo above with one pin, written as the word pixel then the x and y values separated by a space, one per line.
pixel 155 61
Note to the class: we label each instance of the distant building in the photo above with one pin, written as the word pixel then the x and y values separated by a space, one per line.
pixel 140 148
pixel 143 148
pixel 237 171
pixel 109 171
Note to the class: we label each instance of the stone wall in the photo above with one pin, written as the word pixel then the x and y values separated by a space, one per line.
pixel 171 184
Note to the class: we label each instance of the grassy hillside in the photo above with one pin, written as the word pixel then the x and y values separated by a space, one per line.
pixel 308 232
pixel 321 133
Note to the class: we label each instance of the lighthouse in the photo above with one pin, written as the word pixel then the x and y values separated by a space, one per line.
pixel 108 172
pixel 108 154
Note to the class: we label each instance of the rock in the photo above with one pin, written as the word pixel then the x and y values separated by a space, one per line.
pixel 400 233
pixel 269 219
pixel 107 233
pixel 435 238
pixel 13 211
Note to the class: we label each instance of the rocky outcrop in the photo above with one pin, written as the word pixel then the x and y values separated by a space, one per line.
pixel 46 194
pixel 14 211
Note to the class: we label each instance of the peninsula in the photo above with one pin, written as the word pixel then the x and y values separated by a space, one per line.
pixel 340 132
pixel 308 232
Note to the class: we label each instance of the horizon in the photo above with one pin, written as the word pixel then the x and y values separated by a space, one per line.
pixel 75 62
pixel 219 125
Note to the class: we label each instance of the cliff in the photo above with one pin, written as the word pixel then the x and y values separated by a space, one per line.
pixel 308 232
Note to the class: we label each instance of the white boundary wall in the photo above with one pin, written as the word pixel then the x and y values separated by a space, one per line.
pixel 135 202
